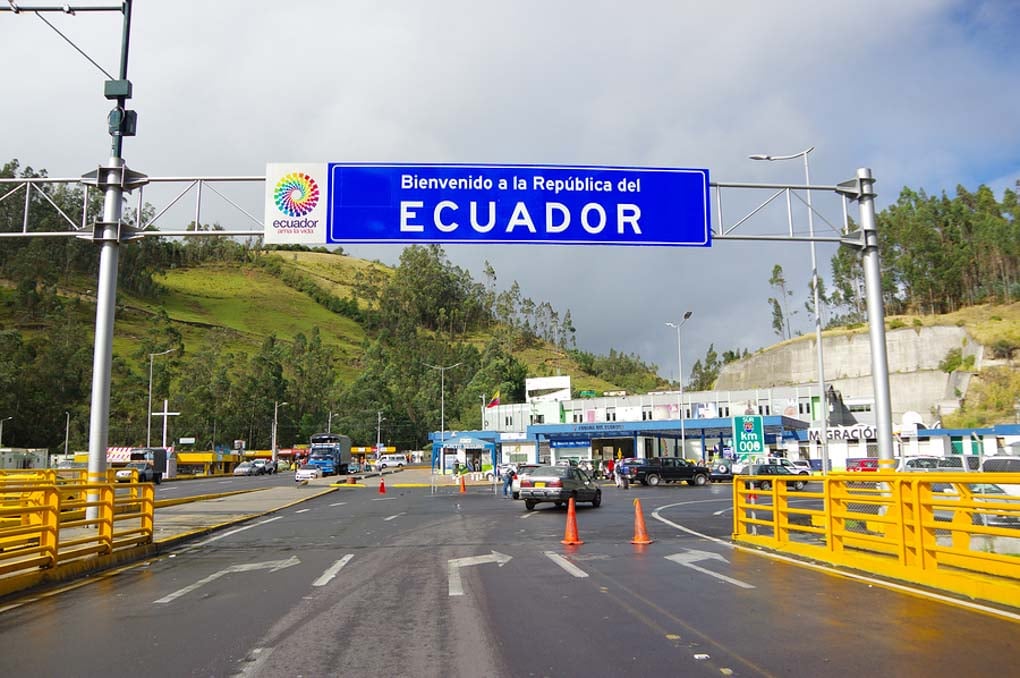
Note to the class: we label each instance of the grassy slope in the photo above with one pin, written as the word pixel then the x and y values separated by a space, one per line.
pixel 247 304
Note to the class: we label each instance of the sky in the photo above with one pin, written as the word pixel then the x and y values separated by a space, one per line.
pixel 926 93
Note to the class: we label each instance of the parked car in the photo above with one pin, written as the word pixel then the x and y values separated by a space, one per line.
pixel 146 473
pixel 979 493
pixel 862 464
pixel 522 470
pixel 246 468
pixel 307 472
pixel 558 484
pixel 391 460
pixel 795 481
pixel 720 470
pixel 265 466
pixel 802 466
pixel 1001 464
pixel 665 470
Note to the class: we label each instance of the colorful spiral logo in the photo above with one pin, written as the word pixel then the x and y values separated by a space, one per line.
pixel 296 194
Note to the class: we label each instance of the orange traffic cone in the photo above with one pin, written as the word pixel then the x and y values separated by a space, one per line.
pixel 640 535
pixel 570 537
pixel 463 487
pixel 382 485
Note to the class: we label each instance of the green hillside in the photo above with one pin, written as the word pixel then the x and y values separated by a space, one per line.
pixel 335 338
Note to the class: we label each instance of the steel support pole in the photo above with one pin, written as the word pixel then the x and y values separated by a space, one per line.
pixel 106 303
pixel 823 400
pixel 876 319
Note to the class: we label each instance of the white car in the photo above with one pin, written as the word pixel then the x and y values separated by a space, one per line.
pixel 389 460
pixel 307 472
pixel 801 466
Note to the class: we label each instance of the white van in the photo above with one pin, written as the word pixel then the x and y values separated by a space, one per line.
pixel 391 460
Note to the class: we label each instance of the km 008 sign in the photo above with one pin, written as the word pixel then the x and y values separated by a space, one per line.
pixel 338 203
pixel 749 435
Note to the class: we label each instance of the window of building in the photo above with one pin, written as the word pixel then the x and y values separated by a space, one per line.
pixel 610 414
pixel 508 420
pixel 646 413
pixel 860 407
pixel 578 417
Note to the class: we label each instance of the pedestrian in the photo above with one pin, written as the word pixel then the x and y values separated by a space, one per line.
pixel 610 465
pixel 508 479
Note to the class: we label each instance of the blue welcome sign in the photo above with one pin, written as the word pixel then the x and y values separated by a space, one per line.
pixel 523 204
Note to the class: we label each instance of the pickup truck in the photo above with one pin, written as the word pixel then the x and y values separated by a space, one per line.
pixel 666 470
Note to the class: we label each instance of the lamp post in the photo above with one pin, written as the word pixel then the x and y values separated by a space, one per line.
pixel 442 405
pixel 824 429
pixel 2 429
pixel 67 431
pixel 276 419
pixel 680 366
pixel 148 412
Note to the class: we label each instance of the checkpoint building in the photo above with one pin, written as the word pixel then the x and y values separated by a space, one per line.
pixel 552 426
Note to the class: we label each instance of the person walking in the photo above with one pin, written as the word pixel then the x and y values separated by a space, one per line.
pixel 508 479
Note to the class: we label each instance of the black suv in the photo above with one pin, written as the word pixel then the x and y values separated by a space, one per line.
pixel 666 470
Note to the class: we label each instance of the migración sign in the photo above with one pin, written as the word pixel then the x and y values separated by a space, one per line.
pixel 338 203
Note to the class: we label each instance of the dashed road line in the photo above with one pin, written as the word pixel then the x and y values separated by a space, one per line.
pixel 395 516
pixel 332 571
pixel 570 568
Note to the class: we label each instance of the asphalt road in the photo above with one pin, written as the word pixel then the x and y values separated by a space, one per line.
pixel 413 584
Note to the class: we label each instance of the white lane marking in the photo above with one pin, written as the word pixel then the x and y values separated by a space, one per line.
pixel 223 482
pixel 332 571
pixel 271 565
pixel 571 569
pixel 527 515
pixel 227 534
pixel 871 581
pixel 402 513
pixel 303 511
pixel 339 503
pixel 692 556
pixel 454 565
pixel 382 498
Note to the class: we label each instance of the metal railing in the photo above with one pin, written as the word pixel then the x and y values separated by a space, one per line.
pixel 958 532
pixel 43 523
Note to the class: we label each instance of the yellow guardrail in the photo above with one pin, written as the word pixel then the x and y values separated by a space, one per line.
pixel 45 524
pixel 958 532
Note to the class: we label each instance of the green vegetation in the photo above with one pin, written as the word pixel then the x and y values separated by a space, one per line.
pixel 349 341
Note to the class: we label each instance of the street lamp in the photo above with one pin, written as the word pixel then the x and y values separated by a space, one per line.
pixel 680 366
pixel 824 431
pixel 67 430
pixel 148 412
pixel 442 405
pixel 2 429
pixel 276 418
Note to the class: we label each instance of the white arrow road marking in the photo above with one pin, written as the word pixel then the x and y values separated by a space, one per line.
pixel 688 559
pixel 395 516
pixel 456 586
pixel 565 564
pixel 328 575
pixel 271 565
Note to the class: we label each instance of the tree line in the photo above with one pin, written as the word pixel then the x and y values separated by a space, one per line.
pixel 427 313
pixel 938 254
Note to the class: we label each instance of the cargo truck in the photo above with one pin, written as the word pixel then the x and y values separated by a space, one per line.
pixel 330 452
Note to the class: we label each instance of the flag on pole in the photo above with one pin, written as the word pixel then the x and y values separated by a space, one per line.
pixel 494 401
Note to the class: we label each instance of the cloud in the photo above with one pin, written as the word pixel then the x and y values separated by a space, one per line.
pixel 925 93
